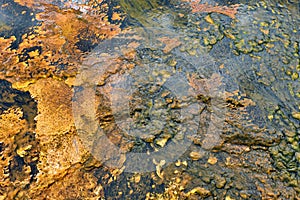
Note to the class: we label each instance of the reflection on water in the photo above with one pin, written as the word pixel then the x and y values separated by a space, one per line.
pixel 149 99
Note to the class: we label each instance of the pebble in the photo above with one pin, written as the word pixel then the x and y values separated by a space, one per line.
pixel 297 155
pixel 201 191
pixel 228 198
pixel 196 155
pixel 296 115
pixel 137 178
pixel 212 160
pixel 209 19
pixel 220 182
pixel 162 141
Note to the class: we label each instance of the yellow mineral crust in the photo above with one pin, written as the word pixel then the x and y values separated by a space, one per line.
pixel 11 125
pixel 62 157
pixel 57 166
pixel 54 107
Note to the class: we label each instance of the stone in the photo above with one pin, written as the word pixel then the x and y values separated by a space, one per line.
pixel 220 182
pixel 212 160
pixel 196 155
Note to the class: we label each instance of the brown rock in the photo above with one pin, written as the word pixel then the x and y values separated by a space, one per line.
pixel 220 182
pixel 201 191
pixel 212 160
pixel 196 155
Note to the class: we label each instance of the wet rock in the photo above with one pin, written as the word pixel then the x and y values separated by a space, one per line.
pixel 196 155
pixel 161 142
pixel 220 181
pixel 200 191
pixel 212 160
pixel 245 194
pixel 296 115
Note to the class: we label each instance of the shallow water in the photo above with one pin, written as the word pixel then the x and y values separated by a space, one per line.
pixel 150 100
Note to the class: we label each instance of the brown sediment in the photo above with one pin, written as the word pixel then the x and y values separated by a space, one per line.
pixel 170 43
pixel 230 11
